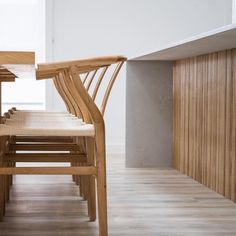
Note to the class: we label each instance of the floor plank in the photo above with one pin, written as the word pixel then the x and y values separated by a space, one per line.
pixel 141 202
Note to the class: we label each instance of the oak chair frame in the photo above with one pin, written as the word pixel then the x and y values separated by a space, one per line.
pixel 66 77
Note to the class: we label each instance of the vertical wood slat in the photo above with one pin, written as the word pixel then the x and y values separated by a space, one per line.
pixel 186 118
pixel 176 120
pixel 233 140
pixel 214 120
pixel 221 140
pixel 209 122
pixel 204 124
pixel 190 120
pixel 228 115
pixel 204 118
pixel 199 120
pixel 182 104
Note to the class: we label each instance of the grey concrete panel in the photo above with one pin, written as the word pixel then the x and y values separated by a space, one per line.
pixel 149 114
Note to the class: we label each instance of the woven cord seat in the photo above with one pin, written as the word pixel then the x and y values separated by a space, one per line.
pixel 21 123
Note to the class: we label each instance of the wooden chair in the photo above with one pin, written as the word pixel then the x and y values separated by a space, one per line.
pixel 91 151
pixel 97 75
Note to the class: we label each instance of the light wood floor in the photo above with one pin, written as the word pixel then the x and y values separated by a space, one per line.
pixel 141 202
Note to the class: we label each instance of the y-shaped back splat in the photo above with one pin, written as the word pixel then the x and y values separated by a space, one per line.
pixel 95 71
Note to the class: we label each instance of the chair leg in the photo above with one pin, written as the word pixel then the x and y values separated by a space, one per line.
pixel 7 184
pixel 73 164
pixel 7 187
pixel 2 179
pixel 12 164
pixel 101 185
pixel 82 184
pixel 11 177
pixel 91 180
pixel 2 197
pixel 81 180
pixel 73 176
pixel 92 198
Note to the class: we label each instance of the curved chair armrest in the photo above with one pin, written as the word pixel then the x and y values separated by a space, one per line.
pixel 47 73
pixel 83 66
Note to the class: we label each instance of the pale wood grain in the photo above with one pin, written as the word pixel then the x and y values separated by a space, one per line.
pixel 11 57
pixel 204 127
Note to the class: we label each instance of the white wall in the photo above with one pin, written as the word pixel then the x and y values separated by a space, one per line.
pixel 80 28
pixel 233 11
pixel 23 29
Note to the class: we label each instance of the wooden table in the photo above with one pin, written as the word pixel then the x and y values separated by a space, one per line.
pixel 15 65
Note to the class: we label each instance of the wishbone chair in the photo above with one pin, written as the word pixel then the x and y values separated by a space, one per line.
pixel 68 83
pixel 71 104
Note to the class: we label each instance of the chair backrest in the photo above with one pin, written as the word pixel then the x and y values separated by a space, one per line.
pixel 97 77
pixel 75 92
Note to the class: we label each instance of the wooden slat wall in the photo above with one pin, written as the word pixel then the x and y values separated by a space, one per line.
pixel 204 139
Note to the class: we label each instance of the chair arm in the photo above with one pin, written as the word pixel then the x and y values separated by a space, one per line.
pixel 83 66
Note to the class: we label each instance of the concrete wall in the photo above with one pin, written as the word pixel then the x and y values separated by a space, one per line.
pixel 149 114
pixel 78 28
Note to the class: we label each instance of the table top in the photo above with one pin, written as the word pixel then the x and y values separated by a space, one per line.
pixel 16 65
pixel 216 40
